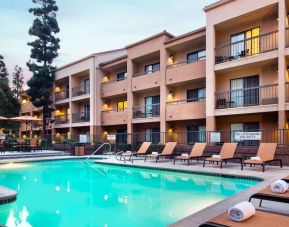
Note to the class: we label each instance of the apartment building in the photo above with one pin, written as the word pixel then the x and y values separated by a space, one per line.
pixel 230 75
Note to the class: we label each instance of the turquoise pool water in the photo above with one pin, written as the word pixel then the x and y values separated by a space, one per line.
pixel 76 193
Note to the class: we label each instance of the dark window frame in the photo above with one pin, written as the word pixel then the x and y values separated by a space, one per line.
pixel 198 57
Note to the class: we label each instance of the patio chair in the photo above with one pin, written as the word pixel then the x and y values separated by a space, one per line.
pixel 226 154
pixel 142 151
pixel 167 152
pixel 261 218
pixel 197 152
pixel 2 146
pixel 33 145
pixel 40 145
pixel 267 194
pixel 266 153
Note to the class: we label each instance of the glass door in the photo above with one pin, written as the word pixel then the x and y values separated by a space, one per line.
pixel 237 44
pixel 148 106
pixel 237 93
pixel 86 86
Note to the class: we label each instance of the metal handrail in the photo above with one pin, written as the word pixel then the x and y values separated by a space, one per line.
pixel 185 62
pixel 200 99
pixel 98 150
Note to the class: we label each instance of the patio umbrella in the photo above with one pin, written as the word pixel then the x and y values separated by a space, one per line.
pixel 3 118
pixel 26 119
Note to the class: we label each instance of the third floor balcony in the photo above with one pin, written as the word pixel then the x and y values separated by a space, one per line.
pixel 113 88
pixel 81 90
pixel 146 80
pixel 61 95
pixel 147 111
pixel 80 117
pixel 246 47
pixel 62 119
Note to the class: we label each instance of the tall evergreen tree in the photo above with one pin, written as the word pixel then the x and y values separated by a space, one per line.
pixel 44 49
pixel 18 81
pixel 10 106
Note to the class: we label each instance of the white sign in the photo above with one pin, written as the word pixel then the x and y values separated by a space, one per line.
pixel 215 137
pixel 111 137
pixel 241 136
pixel 83 138
pixel 2 137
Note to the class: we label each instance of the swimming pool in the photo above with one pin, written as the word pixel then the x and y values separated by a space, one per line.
pixel 76 193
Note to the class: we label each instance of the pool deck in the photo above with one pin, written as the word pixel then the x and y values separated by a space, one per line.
pixel 272 173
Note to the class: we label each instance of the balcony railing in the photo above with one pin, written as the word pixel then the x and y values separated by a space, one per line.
pixel 63 119
pixel 264 95
pixel 147 111
pixel 287 91
pixel 186 101
pixel 82 90
pixel 246 48
pixel 61 95
pixel 114 81
pixel 80 117
pixel 287 36
pixel 145 73
pixel 185 63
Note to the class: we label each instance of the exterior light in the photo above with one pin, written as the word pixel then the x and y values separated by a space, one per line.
pixel 170 130
pixel 57 89
pixel 105 133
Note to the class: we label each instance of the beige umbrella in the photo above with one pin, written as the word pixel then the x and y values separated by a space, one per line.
pixel 26 119
pixel 3 118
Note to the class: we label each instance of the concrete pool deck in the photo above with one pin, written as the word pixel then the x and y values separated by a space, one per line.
pixel 272 173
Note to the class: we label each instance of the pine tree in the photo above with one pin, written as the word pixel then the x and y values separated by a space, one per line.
pixel 44 49
pixel 10 106
pixel 18 81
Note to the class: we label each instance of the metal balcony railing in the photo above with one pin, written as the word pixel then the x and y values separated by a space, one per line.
pixel 199 99
pixel 246 48
pixel 147 111
pixel 61 95
pixel 82 90
pixel 63 119
pixel 263 95
pixel 145 73
pixel 80 117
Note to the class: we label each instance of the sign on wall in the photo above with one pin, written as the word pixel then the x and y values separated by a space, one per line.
pixel 111 137
pixel 215 137
pixel 241 136
pixel 83 138
pixel 2 137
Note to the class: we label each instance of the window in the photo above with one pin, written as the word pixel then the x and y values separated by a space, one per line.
pixel 121 105
pixel 121 76
pixel 86 86
pixel 244 91
pixel 247 127
pixel 198 94
pixel 245 43
pixel 121 136
pixel 152 68
pixel 196 134
pixel 196 56
pixel 152 107
pixel 67 91
pixel 152 135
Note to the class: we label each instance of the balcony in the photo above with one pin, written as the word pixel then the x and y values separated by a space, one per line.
pixel 185 71
pixel 148 111
pixel 63 119
pixel 114 117
pixel 263 95
pixel 190 109
pixel 80 117
pixel 287 91
pixel 113 88
pixel 79 91
pixel 146 80
pixel 287 36
pixel 247 48
pixel 61 95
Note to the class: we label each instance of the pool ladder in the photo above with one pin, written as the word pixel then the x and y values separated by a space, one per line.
pixel 99 149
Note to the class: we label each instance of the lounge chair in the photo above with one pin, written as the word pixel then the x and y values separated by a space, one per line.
pixel 196 153
pixel 266 153
pixel 167 152
pixel 226 154
pixel 33 145
pixel 261 218
pixel 1 145
pixel 142 151
pixel 267 194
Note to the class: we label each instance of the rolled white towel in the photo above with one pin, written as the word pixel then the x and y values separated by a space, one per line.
pixel 241 211
pixel 256 158
pixel 155 153
pixel 216 156
pixel 128 152
pixel 279 186
pixel 185 155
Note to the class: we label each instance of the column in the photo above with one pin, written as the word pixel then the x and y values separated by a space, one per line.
pixel 129 99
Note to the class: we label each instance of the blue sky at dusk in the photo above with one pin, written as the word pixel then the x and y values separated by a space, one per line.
pixel 89 26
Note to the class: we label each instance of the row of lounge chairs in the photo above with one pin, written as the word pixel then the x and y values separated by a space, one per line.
pixel 264 156
pixel 21 145
pixel 260 218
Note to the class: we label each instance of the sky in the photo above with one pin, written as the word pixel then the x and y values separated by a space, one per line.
pixel 90 26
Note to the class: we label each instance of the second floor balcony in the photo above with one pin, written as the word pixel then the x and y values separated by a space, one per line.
pixel 246 47
pixel 80 117
pixel 146 80
pixel 114 117
pixel 61 95
pixel 255 96
pixel 62 119
pixel 81 90
pixel 147 111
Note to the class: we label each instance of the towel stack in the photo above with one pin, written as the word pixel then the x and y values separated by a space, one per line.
pixel 155 153
pixel 216 156
pixel 279 186
pixel 241 211
pixel 256 158
pixel 185 155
